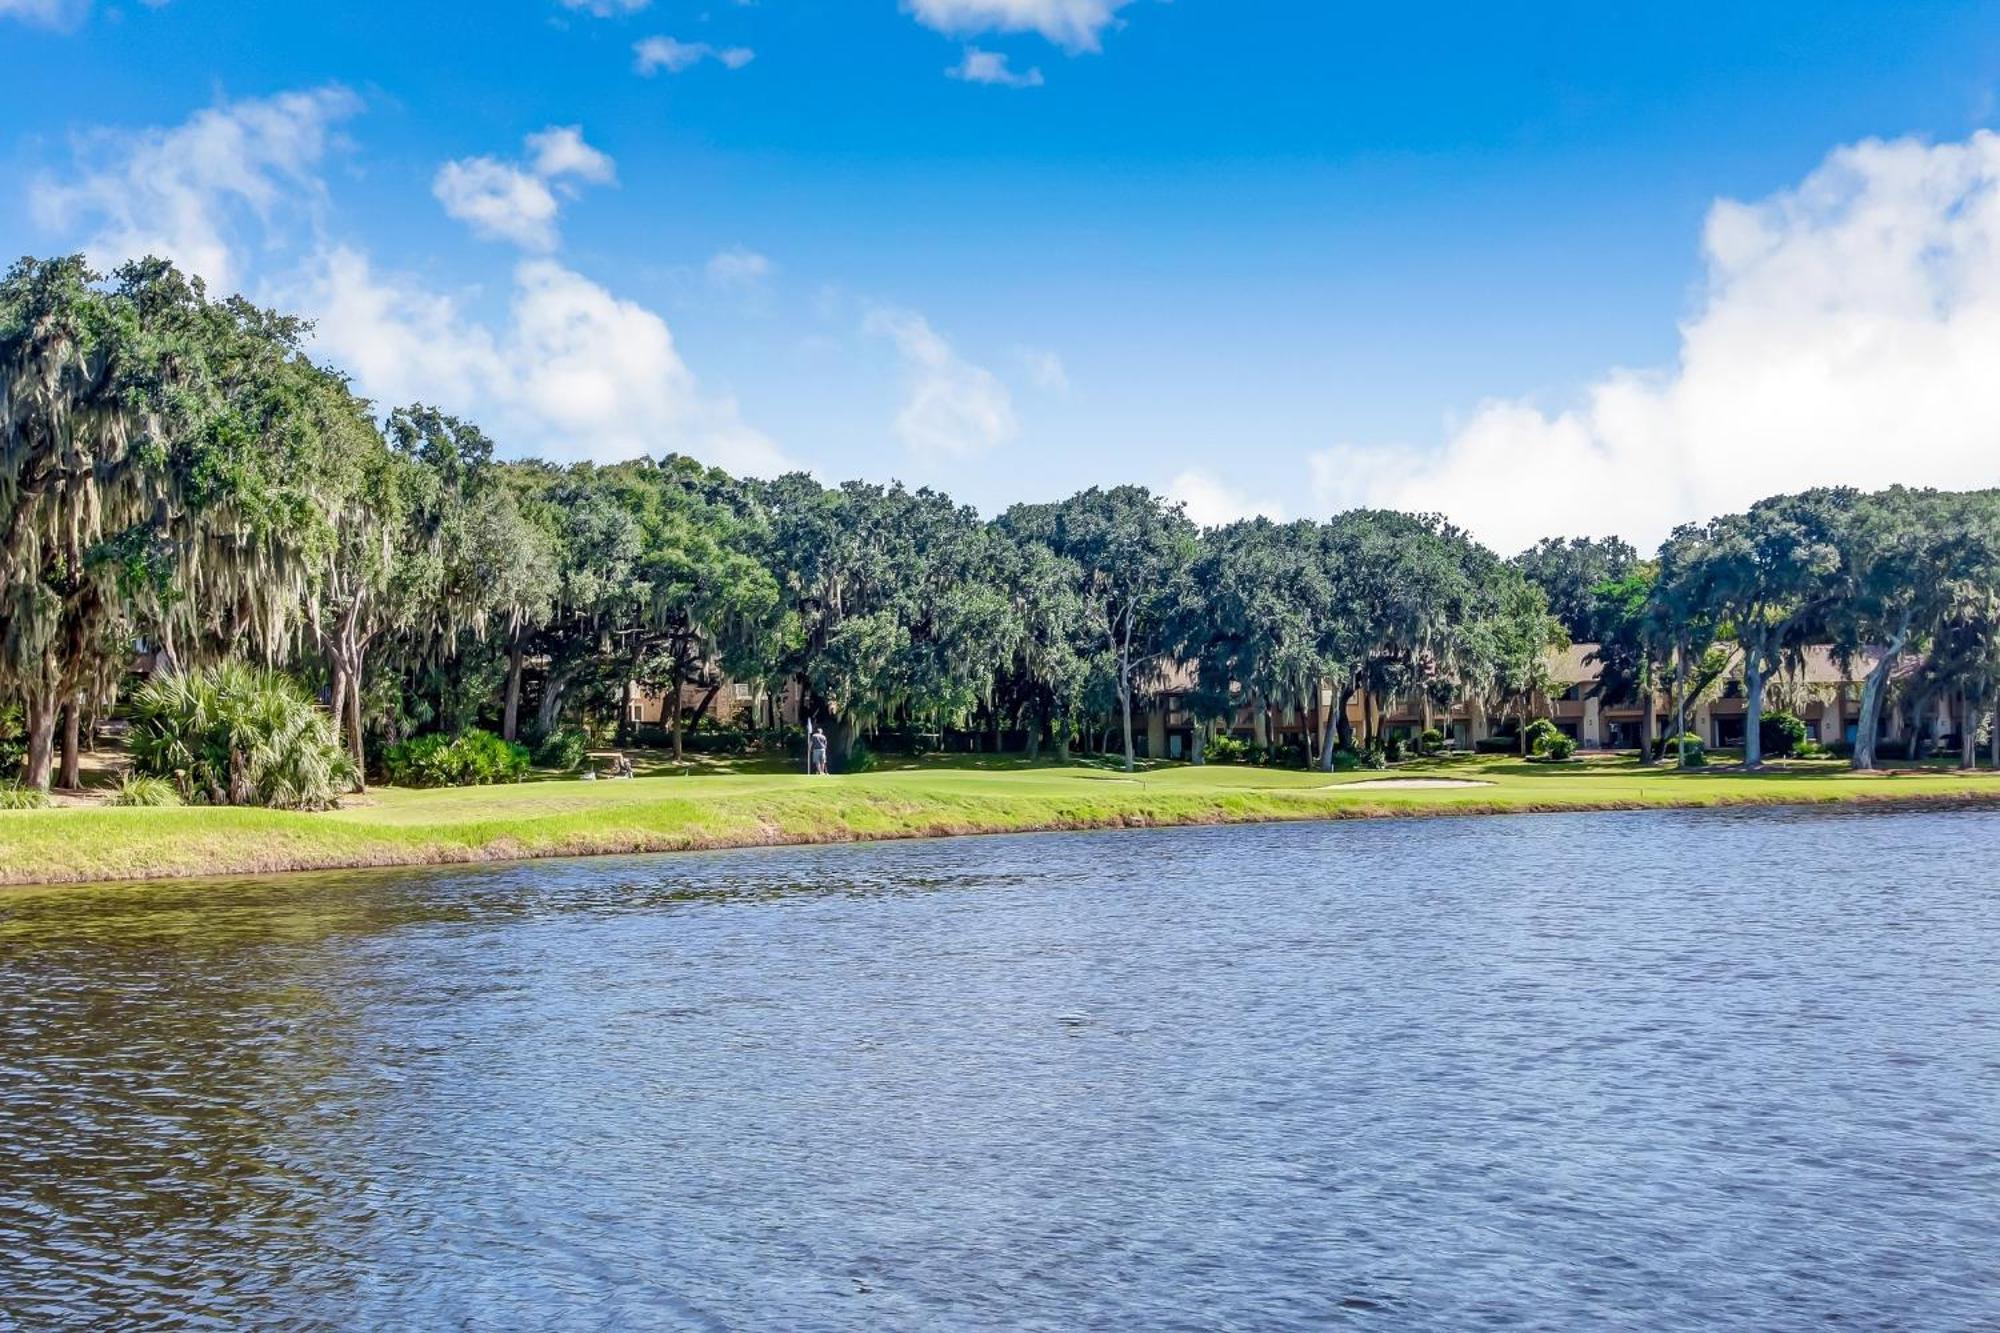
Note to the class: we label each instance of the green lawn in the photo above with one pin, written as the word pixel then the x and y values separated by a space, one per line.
pixel 723 805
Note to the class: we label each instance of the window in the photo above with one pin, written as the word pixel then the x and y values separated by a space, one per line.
pixel 742 692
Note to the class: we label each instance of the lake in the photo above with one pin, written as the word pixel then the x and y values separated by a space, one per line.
pixel 1675 1069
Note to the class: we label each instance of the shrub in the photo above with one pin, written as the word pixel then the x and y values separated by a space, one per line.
pixel 1556 749
pixel 1392 750
pixel 860 760
pixel 138 789
pixel 1346 759
pixel 1497 745
pixel 1372 757
pixel 1540 733
pixel 1781 734
pixel 1812 750
pixel 238 735
pixel 22 798
pixel 1430 742
pixel 13 740
pixel 563 749
pixel 1226 750
pixel 1697 753
pixel 476 759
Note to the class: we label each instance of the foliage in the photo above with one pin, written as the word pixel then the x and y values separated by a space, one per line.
pixel 1430 742
pixel 1571 572
pixel 1346 759
pixel 238 735
pixel 1226 749
pixel 563 749
pixel 1556 749
pixel 1696 753
pixel 16 797
pixel 1542 733
pixel 13 741
pixel 137 789
pixel 1784 735
pixel 475 759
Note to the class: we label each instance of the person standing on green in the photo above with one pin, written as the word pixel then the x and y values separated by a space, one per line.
pixel 816 750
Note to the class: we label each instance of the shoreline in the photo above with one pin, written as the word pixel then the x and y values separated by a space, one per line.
pixel 192 843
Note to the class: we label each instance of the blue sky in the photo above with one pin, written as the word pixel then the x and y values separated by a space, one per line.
pixel 1277 257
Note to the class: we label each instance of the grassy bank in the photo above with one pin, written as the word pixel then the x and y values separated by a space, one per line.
pixel 738 807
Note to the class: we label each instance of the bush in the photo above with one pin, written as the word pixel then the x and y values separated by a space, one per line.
pixel 1346 759
pixel 138 789
pixel 1540 733
pixel 1226 750
pixel 860 760
pixel 1372 757
pixel 1781 734
pixel 1556 749
pixel 1697 753
pixel 563 749
pixel 22 798
pixel 1430 742
pixel 476 759
pixel 1497 745
pixel 1392 750
pixel 238 735
pixel 1812 750
pixel 13 741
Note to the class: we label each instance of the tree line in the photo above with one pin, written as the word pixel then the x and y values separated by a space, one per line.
pixel 176 471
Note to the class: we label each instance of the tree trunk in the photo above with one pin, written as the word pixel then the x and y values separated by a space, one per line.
pixel 1753 709
pixel 673 706
pixel 510 715
pixel 1260 722
pixel 1062 735
pixel 1033 723
pixel 840 743
pixel 1968 735
pixel 1343 725
pixel 1125 692
pixel 40 717
pixel 1649 721
pixel 1872 691
pixel 1326 744
pixel 1680 706
pixel 551 705
pixel 355 747
pixel 71 778
pixel 1198 744
pixel 624 732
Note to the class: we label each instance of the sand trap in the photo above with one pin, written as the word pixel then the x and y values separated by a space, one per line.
pixel 1406 784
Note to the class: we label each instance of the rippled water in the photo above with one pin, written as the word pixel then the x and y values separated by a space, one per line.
pixel 1637 1069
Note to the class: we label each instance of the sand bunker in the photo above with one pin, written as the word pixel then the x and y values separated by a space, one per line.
pixel 1407 784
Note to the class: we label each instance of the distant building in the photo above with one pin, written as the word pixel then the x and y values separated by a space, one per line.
pixel 1826 697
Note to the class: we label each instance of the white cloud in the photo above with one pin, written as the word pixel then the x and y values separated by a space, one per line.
pixel 188 193
pixel 1045 369
pixel 560 151
pixel 654 54
pixel 954 407
pixel 575 372
pixel 1849 334
pixel 58 14
pixel 1074 25
pixel 739 267
pixel 570 371
pixel 605 9
pixel 505 202
pixel 991 67
pixel 499 201
pixel 1211 502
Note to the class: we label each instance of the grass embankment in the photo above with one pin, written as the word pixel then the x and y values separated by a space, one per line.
pixel 738 806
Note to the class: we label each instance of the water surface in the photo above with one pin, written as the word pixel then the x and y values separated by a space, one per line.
pixel 1673 1069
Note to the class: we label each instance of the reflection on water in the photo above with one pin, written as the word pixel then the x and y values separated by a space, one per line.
pixel 1679 1069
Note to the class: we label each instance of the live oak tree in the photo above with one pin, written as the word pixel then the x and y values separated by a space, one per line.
pixel 1131 550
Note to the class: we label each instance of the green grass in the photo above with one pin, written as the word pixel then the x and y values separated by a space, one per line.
pixel 752 804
